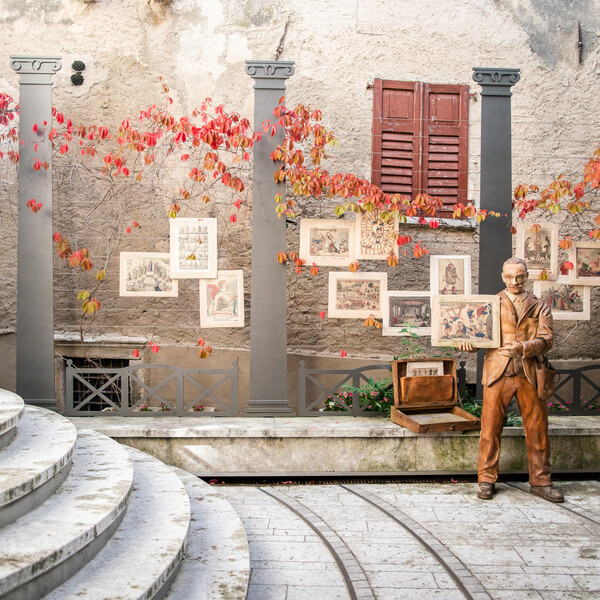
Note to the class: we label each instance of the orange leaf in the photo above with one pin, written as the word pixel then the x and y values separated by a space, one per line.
pixel 281 257
pixel 392 260
pixel 565 243
pixel 536 228
pixel 353 266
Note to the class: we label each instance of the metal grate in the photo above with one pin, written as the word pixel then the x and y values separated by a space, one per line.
pixel 98 378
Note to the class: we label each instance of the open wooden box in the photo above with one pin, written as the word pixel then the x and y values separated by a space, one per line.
pixel 428 403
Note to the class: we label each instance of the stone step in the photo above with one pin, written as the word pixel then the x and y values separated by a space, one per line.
pixel 45 547
pixel 144 554
pixel 217 558
pixel 35 463
pixel 11 410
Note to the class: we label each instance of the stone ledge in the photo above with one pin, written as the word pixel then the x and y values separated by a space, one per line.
pixel 295 427
pixel 333 446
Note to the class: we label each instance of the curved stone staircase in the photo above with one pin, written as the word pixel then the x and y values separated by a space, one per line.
pixel 82 516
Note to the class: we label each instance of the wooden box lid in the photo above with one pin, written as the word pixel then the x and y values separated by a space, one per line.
pixel 424 392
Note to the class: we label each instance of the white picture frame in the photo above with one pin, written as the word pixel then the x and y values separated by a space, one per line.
pixel 406 312
pixel 193 245
pixel 585 257
pixel 222 300
pixel 376 238
pixel 146 274
pixel 327 242
pixel 474 319
pixel 539 249
pixel 567 301
pixel 450 274
pixel 356 295
pixel 424 368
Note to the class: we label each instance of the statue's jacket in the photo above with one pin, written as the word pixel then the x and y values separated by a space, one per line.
pixel 532 327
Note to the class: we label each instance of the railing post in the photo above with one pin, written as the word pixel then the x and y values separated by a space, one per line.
pixel 35 303
pixel 302 389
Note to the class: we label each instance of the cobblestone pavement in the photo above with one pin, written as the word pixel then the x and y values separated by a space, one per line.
pixel 420 541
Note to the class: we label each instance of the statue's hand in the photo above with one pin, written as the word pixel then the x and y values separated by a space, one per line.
pixel 466 347
pixel 511 349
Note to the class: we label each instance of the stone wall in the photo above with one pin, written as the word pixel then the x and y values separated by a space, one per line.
pixel 339 48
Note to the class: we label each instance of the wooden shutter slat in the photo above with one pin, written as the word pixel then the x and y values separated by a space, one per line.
pixel 445 134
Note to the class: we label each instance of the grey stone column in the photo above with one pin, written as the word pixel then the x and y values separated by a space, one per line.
pixel 495 240
pixel 35 306
pixel 268 326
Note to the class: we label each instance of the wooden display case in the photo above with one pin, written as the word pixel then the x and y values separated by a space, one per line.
pixel 428 403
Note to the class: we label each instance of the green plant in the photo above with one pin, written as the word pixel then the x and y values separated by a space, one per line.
pixel 512 419
pixel 374 396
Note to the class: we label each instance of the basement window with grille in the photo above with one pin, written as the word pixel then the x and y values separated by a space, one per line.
pixel 420 140
pixel 90 392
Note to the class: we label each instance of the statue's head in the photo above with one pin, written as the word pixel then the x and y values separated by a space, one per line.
pixel 514 275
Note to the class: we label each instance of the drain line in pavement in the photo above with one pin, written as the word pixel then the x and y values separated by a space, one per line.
pixel 566 505
pixel 353 574
pixel 468 584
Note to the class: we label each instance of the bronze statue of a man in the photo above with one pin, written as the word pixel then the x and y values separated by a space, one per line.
pixel 526 326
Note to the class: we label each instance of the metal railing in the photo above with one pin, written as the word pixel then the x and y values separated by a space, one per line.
pixel 322 391
pixel 151 390
pixel 577 392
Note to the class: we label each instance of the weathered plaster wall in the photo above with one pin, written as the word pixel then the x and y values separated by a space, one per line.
pixel 339 47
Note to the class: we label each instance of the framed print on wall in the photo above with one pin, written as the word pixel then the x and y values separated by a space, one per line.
pixel 193 248
pixel 327 242
pixel 539 249
pixel 566 301
pixel 222 300
pixel 376 238
pixel 356 295
pixel 406 312
pixel 474 319
pixel 450 274
pixel 585 257
pixel 146 274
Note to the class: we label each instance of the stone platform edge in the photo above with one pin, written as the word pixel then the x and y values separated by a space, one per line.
pixel 334 446
pixel 298 427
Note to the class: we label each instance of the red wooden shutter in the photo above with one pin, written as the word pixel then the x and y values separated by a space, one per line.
pixel 396 136
pixel 420 137
pixel 445 135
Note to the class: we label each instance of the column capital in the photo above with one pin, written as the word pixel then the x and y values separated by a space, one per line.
pixel 36 70
pixel 269 74
pixel 495 82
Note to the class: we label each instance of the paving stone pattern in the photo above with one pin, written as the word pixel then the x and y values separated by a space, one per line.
pixel 420 542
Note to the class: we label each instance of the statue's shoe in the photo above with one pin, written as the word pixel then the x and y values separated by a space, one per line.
pixel 547 492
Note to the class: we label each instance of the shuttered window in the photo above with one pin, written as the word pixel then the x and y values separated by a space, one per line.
pixel 420 135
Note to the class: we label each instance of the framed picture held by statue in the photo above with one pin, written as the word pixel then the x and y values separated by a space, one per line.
pixel 474 319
